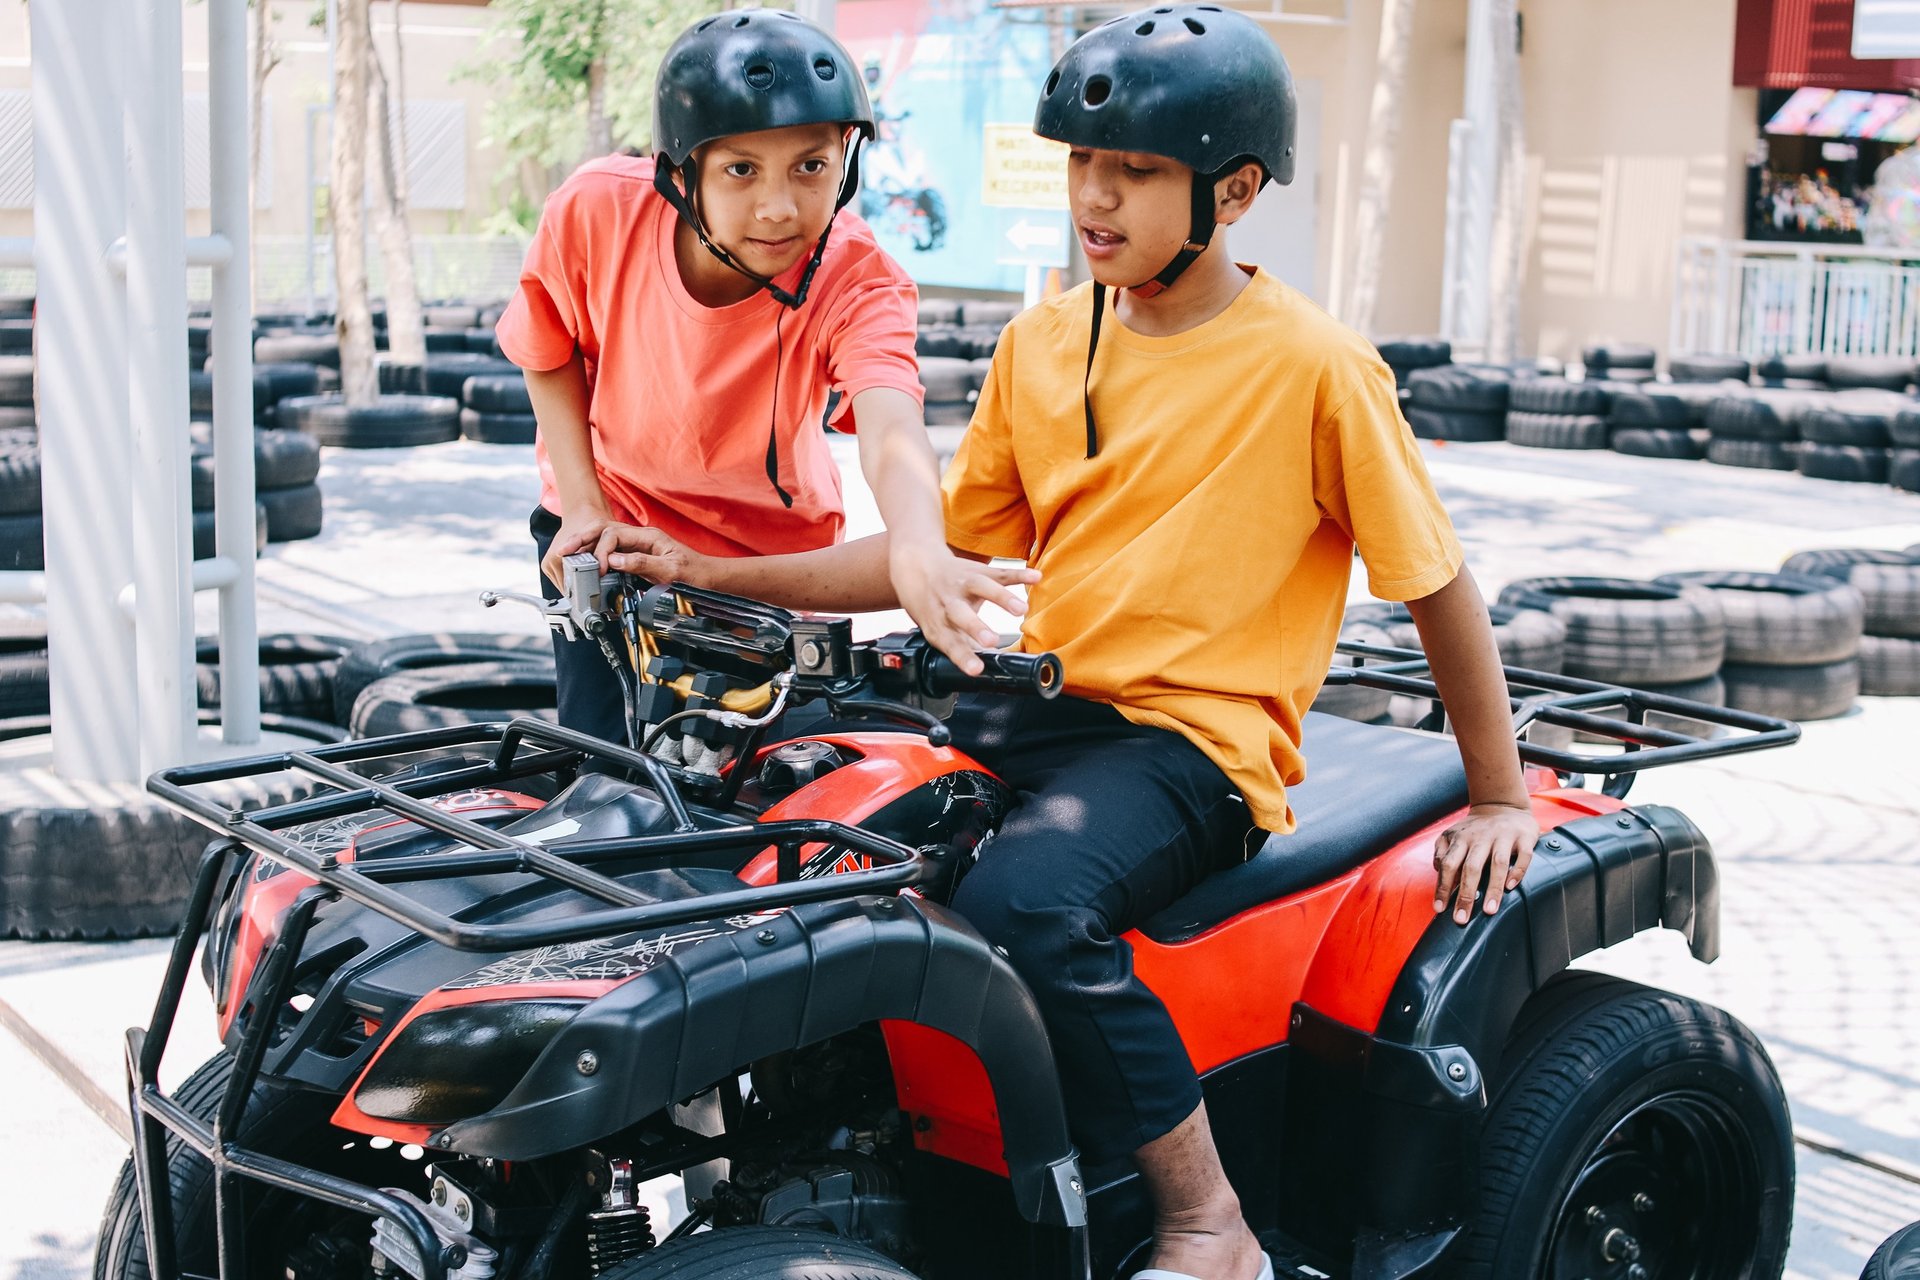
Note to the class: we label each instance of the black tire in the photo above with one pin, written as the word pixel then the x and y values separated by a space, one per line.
pixel 1617 1091
pixel 1355 702
pixel 1783 619
pixel 447 696
pixel 1461 388
pixel 450 316
pixel 1443 424
pixel 17 306
pixel 19 479
pixel 293 514
pixel 16 381
pixel 199 394
pixel 1556 431
pixel 1800 368
pixel 946 380
pixel 1798 693
pixel 446 375
pixel 483 341
pixel 1416 353
pixel 1659 442
pixel 978 341
pixel 16 337
pixel 939 311
pixel 1557 395
pixel 761 1253
pixel 1653 407
pixel 1765 455
pixel 1888 582
pixel 296 673
pixel 281 460
pixel 306 348
pixel 378 659
pixel 1844 462
pixel 1889 667
pixel 497 393
pixel 109 861
pixel 948 415
pixel 1759 415
pixel 441 340
pixel 23 668
pixel 1903 429
pixel 392 422
pixel 1709 368
pixel 941 340
pixel 498 428
pixel 22 542
pixel 17 417
pixel 1897 1258
pixel 1624 631
pixel 273 383
pixel 1528 638
pixel 986 313
pixel 205 538
pixel 1889 373
pixel 1618 355
pixel 398 379
pixel 1862 418
pixel 1629 377
pixel 1903 469
pixel 291 1123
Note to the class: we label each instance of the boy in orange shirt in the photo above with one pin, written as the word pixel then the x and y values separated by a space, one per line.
pixel 1191 480
pixel 681 320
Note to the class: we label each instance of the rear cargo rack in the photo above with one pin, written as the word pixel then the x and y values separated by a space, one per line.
pixel 1612 712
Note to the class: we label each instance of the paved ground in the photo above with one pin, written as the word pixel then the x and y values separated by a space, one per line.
pixel 1818 845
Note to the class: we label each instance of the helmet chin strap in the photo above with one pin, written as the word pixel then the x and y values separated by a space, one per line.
pixel 685 203
pixel 1199 235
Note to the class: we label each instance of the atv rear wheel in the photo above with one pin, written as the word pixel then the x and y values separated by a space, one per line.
pixel 1635 1133
pixel 761 1253
pixel 287 1235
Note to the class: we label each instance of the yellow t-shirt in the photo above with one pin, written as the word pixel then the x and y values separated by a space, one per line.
pixel 1194 571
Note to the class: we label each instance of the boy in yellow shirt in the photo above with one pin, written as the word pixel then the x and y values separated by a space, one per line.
pixel 1190 478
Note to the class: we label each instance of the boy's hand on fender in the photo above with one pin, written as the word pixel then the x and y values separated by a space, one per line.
pixel 1493 839
pixel 650 554
pixel 943 593
pixel 578 531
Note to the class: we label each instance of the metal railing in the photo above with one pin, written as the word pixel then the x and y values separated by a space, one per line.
pixel 1760 298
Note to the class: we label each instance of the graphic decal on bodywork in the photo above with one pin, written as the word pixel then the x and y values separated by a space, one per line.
pixel 602 959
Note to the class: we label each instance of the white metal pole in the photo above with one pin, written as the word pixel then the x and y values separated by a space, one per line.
pixel 162 547
pixel 79 63
pixel 233 479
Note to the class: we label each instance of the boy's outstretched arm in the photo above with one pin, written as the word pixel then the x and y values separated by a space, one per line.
pixel 1498 833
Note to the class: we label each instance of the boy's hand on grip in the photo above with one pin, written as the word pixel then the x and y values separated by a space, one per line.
pixel 648 553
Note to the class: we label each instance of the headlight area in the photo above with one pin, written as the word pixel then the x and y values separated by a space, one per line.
pixel 453 1063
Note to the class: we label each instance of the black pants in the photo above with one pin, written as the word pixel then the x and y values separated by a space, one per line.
pixel 1114 823
pixel 588 693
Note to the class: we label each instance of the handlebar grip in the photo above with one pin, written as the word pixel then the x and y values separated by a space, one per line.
pixel 1036 673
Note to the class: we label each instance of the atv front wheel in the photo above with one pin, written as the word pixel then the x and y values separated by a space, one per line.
pixel 1635 1133
pixel 761 1253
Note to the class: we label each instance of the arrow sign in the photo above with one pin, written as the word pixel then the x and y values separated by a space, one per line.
pixel 1034 240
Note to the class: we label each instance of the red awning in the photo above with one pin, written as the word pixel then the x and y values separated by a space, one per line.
pixel 1792 44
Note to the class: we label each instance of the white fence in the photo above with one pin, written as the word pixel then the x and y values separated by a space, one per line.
pixel 446 267
pixel 1761 298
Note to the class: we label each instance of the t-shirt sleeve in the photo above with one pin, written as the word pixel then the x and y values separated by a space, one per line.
pixel 541 326
pixel 870 338
pixel 986 505
pixel 1370 480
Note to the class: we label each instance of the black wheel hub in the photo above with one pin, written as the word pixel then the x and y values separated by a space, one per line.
pixel 1656 1196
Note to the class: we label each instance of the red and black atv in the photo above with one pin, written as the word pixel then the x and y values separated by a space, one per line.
pixel 487 983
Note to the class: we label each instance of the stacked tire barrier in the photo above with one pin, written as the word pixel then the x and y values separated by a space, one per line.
pixel 1848 436
pixel 1793 641
pixel 1888 583
pixel 1459 402
pixel 497 409
pixel 955 330
pixel 1553 413
pixel 1758 429
pixel 286 475
pixel 951 385
pixel 440 680
pixel 1619 362
pixel 1654 421
pixel 1903 461
pixel 1405 355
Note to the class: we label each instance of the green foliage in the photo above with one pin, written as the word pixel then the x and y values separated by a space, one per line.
pixel 538 63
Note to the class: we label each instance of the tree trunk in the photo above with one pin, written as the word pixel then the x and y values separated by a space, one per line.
pixel 401 192
pixel 1377 161
pixel 346 198
pixel 265 58
pixel 406 338
pixel 1506 269
pixel 599 125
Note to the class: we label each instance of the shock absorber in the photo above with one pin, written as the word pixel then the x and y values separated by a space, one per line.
pixel 621 1227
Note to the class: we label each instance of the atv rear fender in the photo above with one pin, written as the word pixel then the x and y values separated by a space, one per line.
pixel 1418 1085
pixel 801 976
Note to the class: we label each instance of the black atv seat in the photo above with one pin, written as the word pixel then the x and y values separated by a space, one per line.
pixel 1368 787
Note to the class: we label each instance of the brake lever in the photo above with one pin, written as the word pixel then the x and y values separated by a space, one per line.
pixel 938 734
pixel 552 612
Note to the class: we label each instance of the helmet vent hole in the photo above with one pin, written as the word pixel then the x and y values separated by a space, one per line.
pixel 1053 82
pixel 709 22
pixel 1098 90
pixel 760 76
pixel 1211 8
pixel 1144 29
pixel 1195 27
pixel 1163 11
pixel 824 68
pixel 742 20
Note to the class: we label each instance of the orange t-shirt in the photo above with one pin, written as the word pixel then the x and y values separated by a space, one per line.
pixel 1193 572
pixel 684 396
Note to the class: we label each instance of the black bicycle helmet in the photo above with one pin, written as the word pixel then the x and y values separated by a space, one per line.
pixel 1193 82
pixel 744 72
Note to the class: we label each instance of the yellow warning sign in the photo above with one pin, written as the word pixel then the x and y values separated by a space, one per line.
pixel 1022 170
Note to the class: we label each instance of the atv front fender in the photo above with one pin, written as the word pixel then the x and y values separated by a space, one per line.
pixel 1419 1081
pixel 795 978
